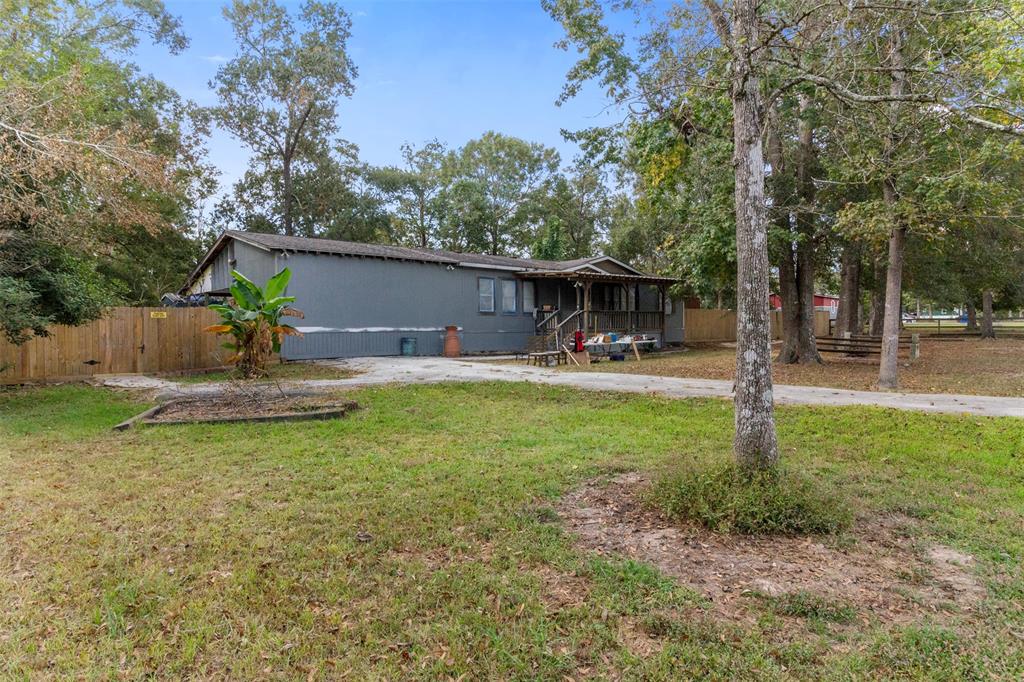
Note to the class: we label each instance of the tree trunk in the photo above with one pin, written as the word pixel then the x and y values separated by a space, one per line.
pixel 888 366
pixel 424 242
pixel 286 174
pixel 790 298
pixel 755 444
pixel 788 294
pixel 972 317
pixel 848 315
pixel 807 346
pixel 888 369
pixel 987 329
pixel 878 297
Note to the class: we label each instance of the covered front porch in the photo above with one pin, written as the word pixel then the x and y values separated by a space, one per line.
pixel 599 303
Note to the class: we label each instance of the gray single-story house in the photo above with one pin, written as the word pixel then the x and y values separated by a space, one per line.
pixel 363 299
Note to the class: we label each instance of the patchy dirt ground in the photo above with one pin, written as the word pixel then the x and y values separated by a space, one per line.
pixel 970 366
pixel 880 573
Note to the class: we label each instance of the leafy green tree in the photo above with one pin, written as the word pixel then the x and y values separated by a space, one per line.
pixel 550 244
pixel 333 198
pixel 412 192
pixel 492 187
pixel 581 203
pixel 279 97
pixel 42 284
pixel 142 265
pixel 92 154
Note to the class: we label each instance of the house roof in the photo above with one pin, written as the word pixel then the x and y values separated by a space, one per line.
pixel 276 242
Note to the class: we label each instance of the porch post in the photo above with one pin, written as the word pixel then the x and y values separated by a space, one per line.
pixel 636 305
pixel 664 320
pixel 586 307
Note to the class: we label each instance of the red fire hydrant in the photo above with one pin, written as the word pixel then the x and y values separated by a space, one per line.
pixel 578 341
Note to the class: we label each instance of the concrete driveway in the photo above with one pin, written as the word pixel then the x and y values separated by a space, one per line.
pixel 390 370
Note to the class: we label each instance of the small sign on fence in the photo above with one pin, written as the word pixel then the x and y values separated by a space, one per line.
pixel 158 315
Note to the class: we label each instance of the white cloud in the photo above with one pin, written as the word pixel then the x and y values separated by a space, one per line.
pixel 215 58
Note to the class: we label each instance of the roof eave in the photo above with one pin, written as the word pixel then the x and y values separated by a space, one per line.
pixel 599 277
pixel 211 253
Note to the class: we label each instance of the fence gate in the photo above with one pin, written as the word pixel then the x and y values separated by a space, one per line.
pixel 124 340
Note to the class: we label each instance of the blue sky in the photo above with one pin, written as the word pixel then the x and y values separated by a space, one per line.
pixel 449 69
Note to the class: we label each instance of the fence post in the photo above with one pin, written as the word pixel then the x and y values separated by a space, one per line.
pixel 915 346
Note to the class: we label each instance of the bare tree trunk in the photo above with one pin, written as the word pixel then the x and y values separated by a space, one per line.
pixel 790 298
pixel 286 173
pixel 755 444
pixel 988 331
pixel 848 315
pixel 807 346
pixel 424 242
pixel 972 316
pixel 888 366
pixel 788 293
pixel 878 297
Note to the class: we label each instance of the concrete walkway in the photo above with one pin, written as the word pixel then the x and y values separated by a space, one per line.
pixel 379 371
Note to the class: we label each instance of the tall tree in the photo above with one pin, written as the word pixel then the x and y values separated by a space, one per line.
pixel 668 63
pixel 92 156
pixel 755 442
pixel 492 187
pixel 580 203
pixel 412 191
pixel 279 94
pixel 769 54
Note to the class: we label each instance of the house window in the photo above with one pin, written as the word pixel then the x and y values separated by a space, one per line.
pixel 485 290
pixel 508 296
pixel 529 298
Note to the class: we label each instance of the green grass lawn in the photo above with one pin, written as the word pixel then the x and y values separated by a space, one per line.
pixel 416 539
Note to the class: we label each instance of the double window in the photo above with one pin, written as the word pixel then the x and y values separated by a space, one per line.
pixel 504 292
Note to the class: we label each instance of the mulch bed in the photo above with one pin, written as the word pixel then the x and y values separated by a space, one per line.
pixel 878 570
pixel 253 407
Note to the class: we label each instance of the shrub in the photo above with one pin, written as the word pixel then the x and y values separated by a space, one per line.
pixel 253 319
pixel 771 502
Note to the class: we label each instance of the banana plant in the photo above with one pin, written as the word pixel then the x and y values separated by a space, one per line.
pixel 253 319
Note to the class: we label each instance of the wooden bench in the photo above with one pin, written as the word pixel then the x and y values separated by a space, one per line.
pixel 861 345
pixel 544 357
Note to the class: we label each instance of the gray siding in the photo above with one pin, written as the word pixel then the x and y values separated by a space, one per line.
pixel 365 306
pixel 253 262
pixel 356 306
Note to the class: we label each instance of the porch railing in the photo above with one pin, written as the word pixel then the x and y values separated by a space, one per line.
pixel 625 320
pixel 563 324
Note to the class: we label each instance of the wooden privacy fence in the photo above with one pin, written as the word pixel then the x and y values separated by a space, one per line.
pixel 125 340
pixel 705 325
